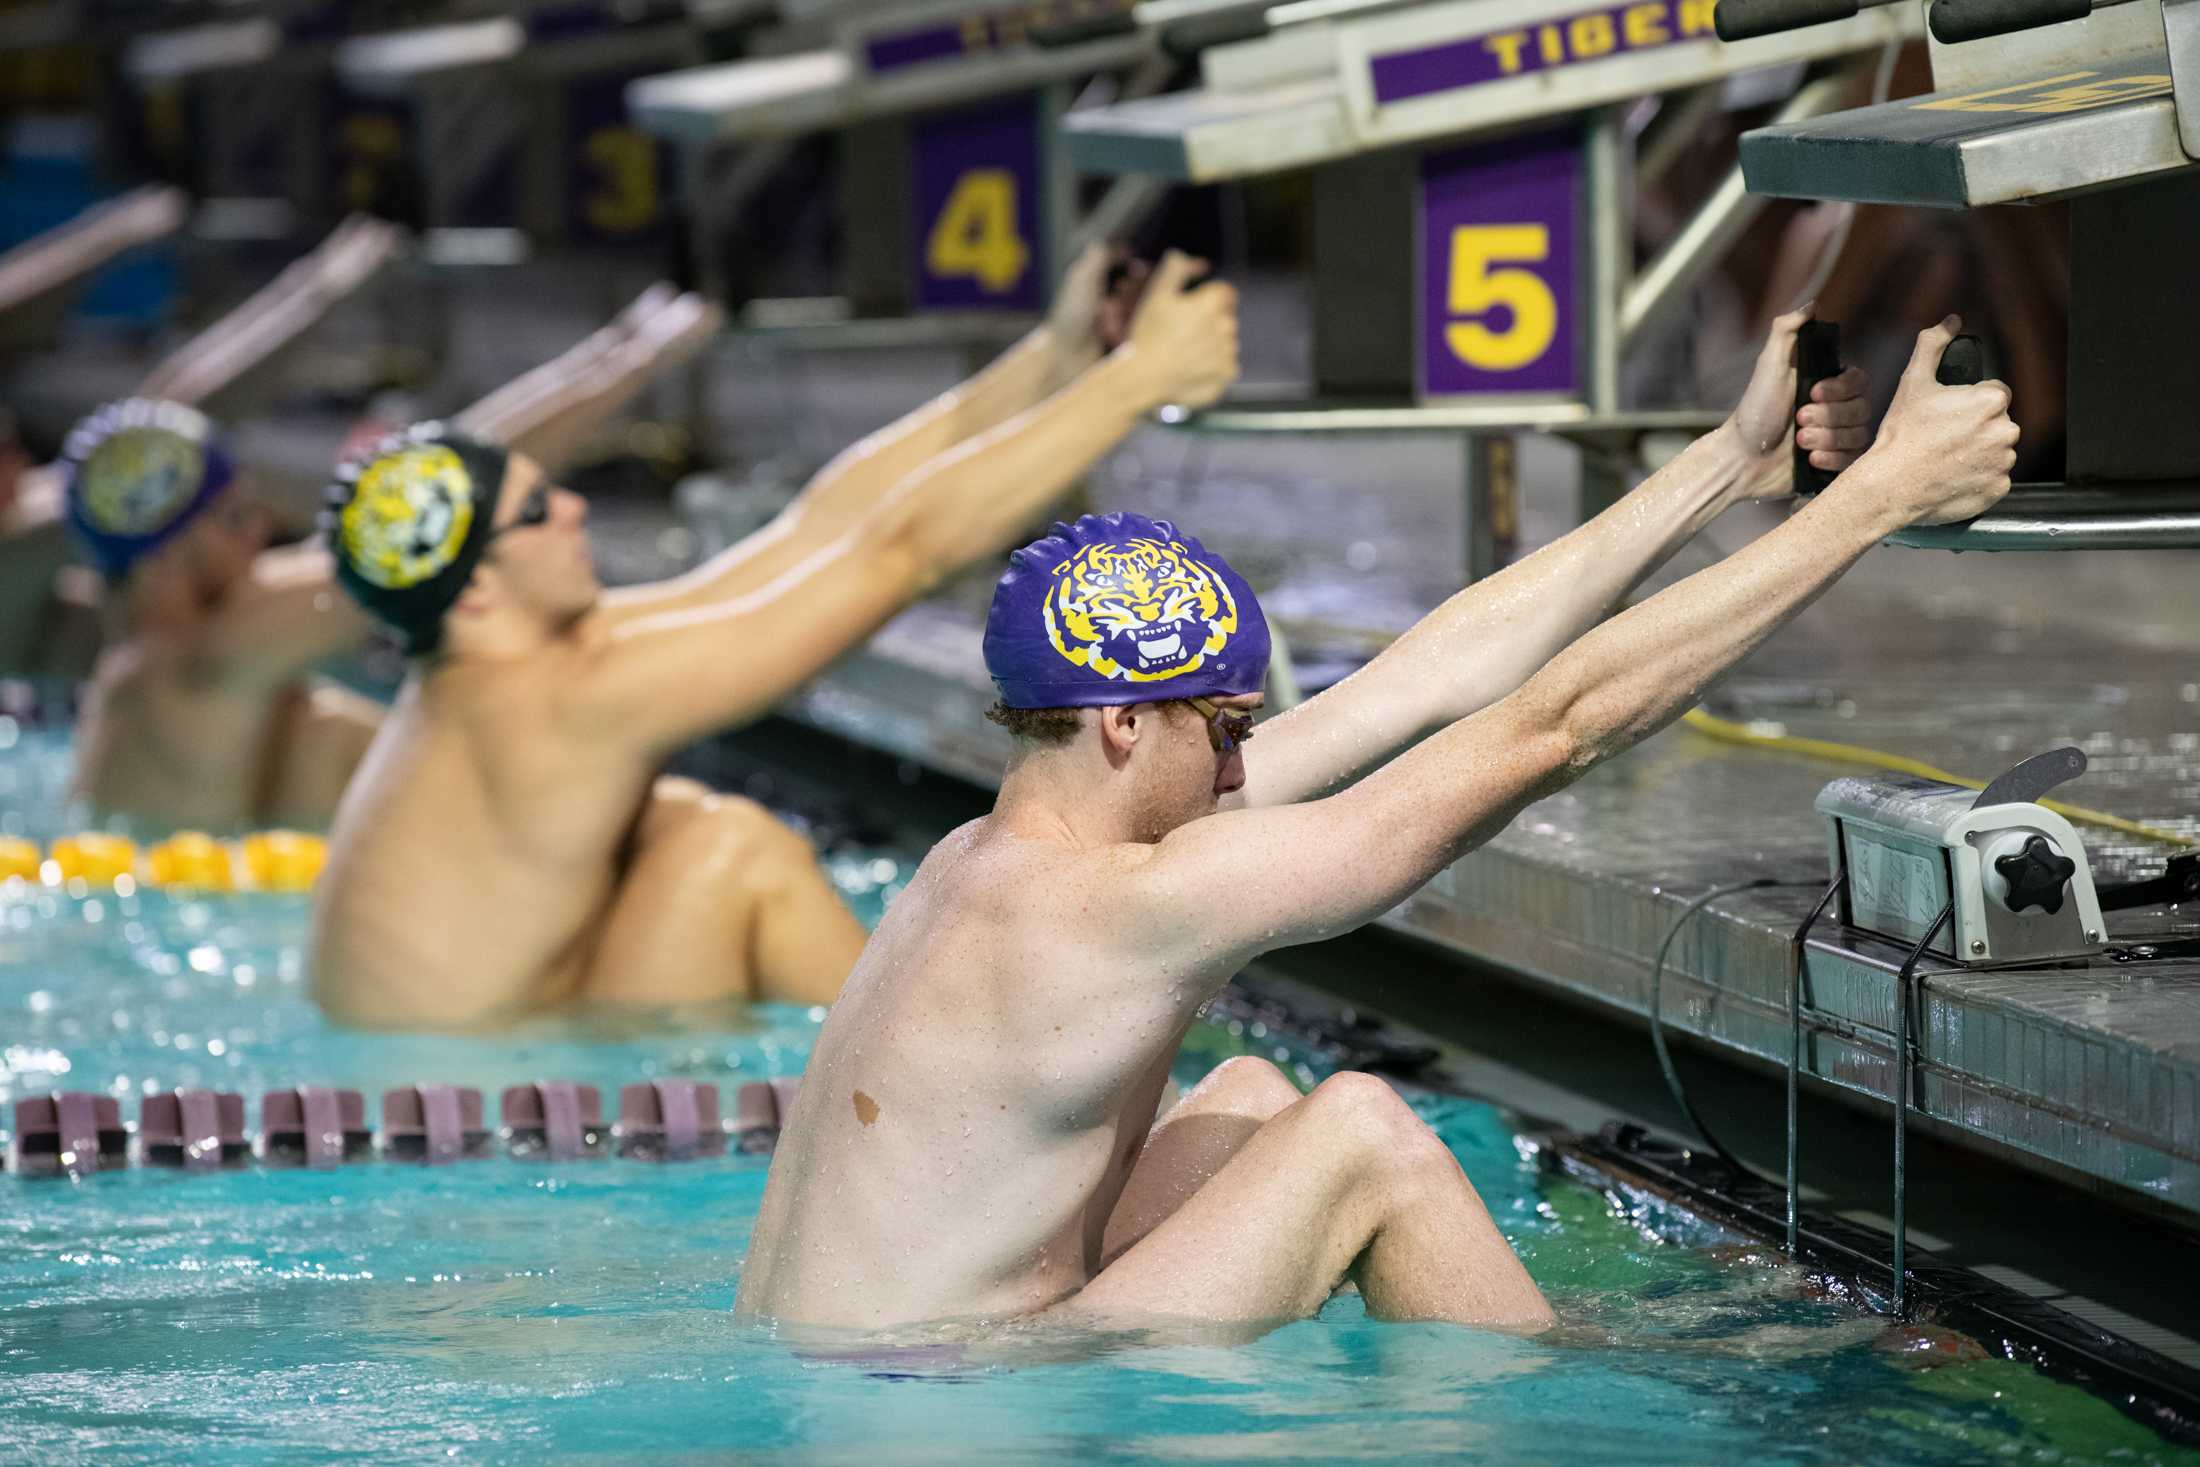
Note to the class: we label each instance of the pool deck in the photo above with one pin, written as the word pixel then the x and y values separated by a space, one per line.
pixel 2089 1071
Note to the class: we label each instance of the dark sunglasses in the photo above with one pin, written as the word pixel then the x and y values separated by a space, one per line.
pixel 533 510
pixel 1228 730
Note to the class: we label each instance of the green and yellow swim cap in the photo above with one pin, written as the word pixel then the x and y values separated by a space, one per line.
pixel 408 521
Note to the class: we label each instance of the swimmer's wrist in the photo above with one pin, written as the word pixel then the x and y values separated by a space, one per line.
pixel 1869 492
pixel 1138 379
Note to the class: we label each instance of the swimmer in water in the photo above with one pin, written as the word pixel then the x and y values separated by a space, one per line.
pixel 976 1136
pixel 201 712
pixel 510 842
pixel 48 607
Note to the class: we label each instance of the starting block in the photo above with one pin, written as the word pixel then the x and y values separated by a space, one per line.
pixel 2040 100
pixel 960 206
pixel 1479 149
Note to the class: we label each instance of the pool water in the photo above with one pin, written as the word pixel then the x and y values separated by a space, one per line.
pixel 502 1310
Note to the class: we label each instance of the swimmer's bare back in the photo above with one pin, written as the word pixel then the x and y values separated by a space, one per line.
pixel 978 1106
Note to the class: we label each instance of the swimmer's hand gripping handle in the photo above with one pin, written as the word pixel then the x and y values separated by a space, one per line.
pixel 1957 21
pixel 1741 20
pixel 1817 357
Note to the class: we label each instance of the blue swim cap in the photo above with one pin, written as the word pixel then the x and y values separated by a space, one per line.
pixel 139 471
pixel 1120 609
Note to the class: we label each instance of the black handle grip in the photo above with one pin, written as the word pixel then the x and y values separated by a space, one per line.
pixel 1962 362
pixel 1817 357
pixel 1957 21
pixel 1739 20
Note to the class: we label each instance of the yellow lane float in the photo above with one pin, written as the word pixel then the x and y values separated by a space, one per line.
pixel 271 860
pixel 93 858
pixel 284 860
pixel 18 859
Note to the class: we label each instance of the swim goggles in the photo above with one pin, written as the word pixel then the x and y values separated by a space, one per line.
pixel 1228 730
pixel 533 510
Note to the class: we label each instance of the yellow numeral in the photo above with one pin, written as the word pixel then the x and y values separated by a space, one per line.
pixel 976 232
pixel 1475 287
pixel 2051 95
pixel 626 162
pixel 371 142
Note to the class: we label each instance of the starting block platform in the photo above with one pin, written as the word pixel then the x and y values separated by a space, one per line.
pixel 2064 131
pixel 1342 81
pixel 2031 103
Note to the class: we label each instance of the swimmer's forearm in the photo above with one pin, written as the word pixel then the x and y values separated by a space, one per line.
pixel 1641 670
pixel 964 505
pixel 552 411
pixel 1615 687
pixel 1488 639
pixel 74 249
pixel 850 489
pixel 276 315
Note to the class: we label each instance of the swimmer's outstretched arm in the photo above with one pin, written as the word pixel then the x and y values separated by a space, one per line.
pixel 1491 637
pixel 654 681
pixel 850 487
pixel 288 614
pixel 45 263
pixel 1311 870
pixel 550 412
pixel 210 370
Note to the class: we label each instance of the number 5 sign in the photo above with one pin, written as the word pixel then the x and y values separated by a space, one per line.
pixel 975 208
pixel 1497 268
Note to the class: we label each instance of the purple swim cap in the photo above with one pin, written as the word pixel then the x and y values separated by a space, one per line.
pixel 138 471
pixel 1120 609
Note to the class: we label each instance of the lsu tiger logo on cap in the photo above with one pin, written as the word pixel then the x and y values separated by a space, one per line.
pixel 139 480
pixel 1102 611
pixel 1140 610
pixel 408 516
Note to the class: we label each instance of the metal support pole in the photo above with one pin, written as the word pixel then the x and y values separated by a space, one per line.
pixel 1610 219
pixel 1057 185
pixel 1703 241
pixel 1493 503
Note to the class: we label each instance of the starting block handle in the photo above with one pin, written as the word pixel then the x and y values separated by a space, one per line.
pixel 1741 20
pixel 1956 21
pixel 1817 357
pixel 1962 362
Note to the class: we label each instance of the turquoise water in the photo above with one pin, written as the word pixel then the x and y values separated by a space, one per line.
pixel 503 1311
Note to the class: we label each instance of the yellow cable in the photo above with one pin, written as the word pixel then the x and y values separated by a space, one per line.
pixel 1727 731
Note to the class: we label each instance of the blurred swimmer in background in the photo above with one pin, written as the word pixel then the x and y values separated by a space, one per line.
pixel 510 842
pixel 200 711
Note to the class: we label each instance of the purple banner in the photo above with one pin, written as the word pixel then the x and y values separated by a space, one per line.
pixel 974 218
pixel 912 48
pixel 1590 35
pixel 988 30
pixel 1498 266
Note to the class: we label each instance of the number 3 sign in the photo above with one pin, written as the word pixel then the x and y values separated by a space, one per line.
pixel 975 219
pixel 1497 268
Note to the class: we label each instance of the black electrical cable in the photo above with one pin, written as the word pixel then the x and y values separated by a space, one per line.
pixel 1798 947
pixel 1902 981
pixel 1657 1024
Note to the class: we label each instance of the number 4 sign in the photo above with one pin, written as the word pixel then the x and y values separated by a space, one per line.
pixel 1497 268
pixel 975 215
